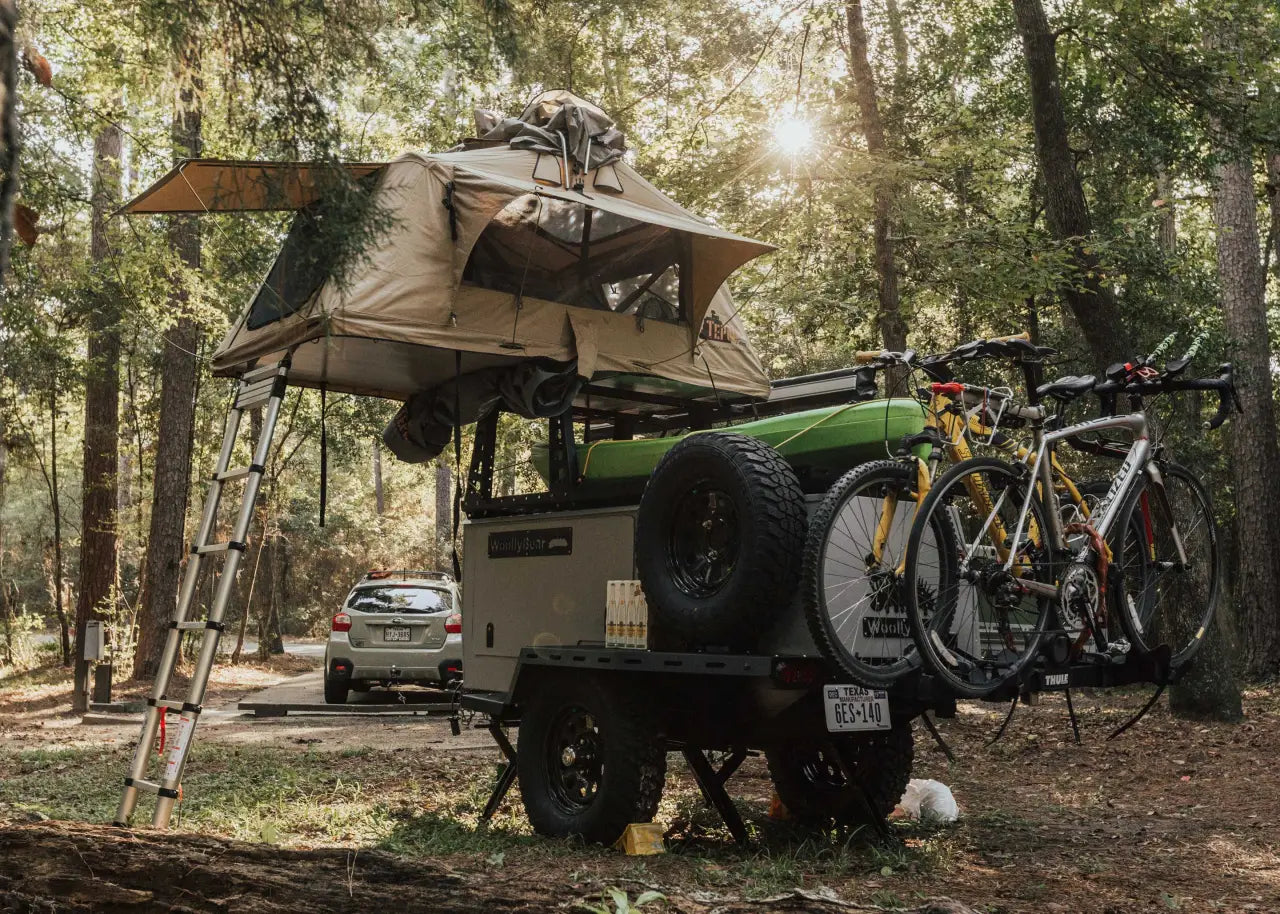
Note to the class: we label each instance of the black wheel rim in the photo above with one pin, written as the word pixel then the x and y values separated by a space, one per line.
pixel 820 770
pixel 575 764
pixel 703 545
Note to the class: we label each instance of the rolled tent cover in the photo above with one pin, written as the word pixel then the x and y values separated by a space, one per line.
pixel 480 255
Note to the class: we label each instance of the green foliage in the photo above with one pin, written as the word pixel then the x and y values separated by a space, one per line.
pixel 698 88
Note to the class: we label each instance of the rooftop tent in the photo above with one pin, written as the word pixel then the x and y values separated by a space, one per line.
pixel 501 251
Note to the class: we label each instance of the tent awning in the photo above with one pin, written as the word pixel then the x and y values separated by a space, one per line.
pixel 225 185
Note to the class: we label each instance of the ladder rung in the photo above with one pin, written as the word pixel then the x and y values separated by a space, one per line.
pixel 218 547
pixel 198 626
pixel 168 703
pixel 252 395
pixel 238 472
pixel 262 371
pixel 150 787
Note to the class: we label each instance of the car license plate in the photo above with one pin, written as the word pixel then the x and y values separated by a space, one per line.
pixel 396 633
pixel 855 708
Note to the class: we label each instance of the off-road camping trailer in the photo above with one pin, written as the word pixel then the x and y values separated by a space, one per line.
pixel 648 598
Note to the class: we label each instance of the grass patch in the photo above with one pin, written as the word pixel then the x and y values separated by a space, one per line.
pixel 389 800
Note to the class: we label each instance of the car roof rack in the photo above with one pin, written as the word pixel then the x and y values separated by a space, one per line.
pixel 405 574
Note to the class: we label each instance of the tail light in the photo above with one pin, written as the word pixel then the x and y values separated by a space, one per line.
pixel 341 623
pixel 453 625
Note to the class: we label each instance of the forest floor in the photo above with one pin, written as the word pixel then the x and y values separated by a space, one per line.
pixel 355 814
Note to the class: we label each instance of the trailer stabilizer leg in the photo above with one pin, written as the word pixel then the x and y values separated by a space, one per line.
pixel 506 777
pixel 711 783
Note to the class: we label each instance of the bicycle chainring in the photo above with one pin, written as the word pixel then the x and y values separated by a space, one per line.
pixel 1078 600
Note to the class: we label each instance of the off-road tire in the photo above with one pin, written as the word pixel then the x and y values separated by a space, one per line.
pixel 880 764
pixel 336 690
pixel 767 504
pixel 812 589
pixel 632 753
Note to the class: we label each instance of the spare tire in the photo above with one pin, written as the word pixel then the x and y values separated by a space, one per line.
pixel 719 539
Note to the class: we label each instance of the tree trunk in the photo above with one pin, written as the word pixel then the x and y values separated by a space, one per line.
pixel 55 503
pixel 98 547
pixel 444 510
pixel 7 614
pixel 377 477
pixel 1255 462
pixel 1271 256
pixel 247 585
pixel 1209 690
pixel 893 329
pixel 1087 296
pixel 172 480
pixel 9 138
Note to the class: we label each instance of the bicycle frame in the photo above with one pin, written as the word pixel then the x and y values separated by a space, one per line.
pixel 1136 462
pixel 955 430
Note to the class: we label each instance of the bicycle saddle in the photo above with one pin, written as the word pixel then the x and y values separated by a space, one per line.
pixel 1067 388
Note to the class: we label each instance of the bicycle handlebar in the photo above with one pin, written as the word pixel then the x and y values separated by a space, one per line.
pixel 1224 384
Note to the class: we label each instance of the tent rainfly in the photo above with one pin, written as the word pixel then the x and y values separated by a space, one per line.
pixel 535 242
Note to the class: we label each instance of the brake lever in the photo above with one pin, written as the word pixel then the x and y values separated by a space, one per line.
pixel 1225 399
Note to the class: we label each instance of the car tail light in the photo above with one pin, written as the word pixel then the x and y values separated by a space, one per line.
pixel 453 625
pixel 341 623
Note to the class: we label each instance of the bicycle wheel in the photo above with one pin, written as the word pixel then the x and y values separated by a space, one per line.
pixel 1175 602
pixel 852 572
pixel 983 627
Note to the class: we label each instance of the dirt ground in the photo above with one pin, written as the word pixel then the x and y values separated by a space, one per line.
pixel 341 814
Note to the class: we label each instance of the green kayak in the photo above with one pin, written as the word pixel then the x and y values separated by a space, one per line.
pixel 831 438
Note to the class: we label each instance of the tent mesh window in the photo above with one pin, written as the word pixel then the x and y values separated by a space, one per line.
pixel 569 253
pixel 296 274
pixel 308 255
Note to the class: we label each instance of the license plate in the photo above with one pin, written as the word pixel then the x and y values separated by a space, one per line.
pixel 397 633
pixel 855 708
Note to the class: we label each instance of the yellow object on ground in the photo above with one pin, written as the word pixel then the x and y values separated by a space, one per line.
pixel 642 839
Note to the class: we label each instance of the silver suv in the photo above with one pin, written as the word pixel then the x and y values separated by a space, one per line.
pixel 395 627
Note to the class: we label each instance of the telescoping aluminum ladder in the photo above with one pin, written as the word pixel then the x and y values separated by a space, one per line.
pixel 258 388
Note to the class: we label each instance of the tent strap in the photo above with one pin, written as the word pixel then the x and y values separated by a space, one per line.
pixel 324 456
pixel 457 461
pixel 453 213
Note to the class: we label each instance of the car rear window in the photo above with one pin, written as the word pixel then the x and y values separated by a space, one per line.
pixel 399 598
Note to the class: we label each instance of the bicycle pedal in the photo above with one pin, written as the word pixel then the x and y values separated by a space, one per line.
pixel 1118 651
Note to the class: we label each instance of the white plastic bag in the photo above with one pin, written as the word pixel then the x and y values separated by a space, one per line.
pixel 930 802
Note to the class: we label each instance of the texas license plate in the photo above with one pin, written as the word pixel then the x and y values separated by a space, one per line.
pixel 855 708
pixel 396 633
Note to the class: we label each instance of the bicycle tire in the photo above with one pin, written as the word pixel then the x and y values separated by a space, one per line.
pixel 1158 614
pixel 966 640
pixel 1128 571
pixel 851 601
